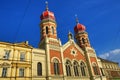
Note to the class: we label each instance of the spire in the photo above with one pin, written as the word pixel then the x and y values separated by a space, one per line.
pixel 70 36
pixel 78 27
pixel 77 21
pixel 47 14
pixel 46 6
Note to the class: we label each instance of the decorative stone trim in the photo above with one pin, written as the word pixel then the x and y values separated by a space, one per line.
pixel 53 47
pixel 55 58
pixel 74 52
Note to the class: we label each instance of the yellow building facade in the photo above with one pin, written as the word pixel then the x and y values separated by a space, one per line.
pixel 15 61
pixel 110 70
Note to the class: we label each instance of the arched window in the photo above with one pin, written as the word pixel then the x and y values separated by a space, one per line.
pixel 83 69
pixel 83 40
pixel 56 67
pixel 46 30
pixel 39 69
pixel 68 68
pixel 52 30
pixel 95 69
pixel 87 40
pixel 75 67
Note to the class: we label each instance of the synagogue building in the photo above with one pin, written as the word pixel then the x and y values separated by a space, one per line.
pixel 74 60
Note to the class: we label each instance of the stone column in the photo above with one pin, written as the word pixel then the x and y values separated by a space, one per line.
pixel 48 72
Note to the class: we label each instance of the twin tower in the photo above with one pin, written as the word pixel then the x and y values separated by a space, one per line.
pixel 71 61
pixel 48 29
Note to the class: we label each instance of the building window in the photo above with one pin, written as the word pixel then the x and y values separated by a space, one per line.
pixel 22 56
pixel 46 30
pixel 83 40
pixel 4 72
pixel 21 72
pixel 73 52
pixel 102 72
pixel 52 30
pixel 95 69
pixel 87 40
pixel 83 69
pixel 39 69
pixel 56 67
pixel 7 53
pixel 76 73
pixel 68 68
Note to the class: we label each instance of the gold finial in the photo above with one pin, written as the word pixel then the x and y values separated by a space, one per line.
pixel 77 21
pixel 46 5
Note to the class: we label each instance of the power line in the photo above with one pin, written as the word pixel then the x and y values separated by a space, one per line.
pixel 21 21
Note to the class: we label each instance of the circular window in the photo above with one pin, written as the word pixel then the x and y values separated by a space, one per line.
pixel 73 52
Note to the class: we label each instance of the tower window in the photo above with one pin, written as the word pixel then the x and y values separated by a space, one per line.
pixel 46 30
pixel 52 30
pixel 68 68
pixel 39 69
pixel 56 67
pixel 4 72
pixel 87 40
pixel 83 40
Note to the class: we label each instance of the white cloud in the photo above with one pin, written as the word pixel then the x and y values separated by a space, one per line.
pixel 113 55
pixel 105 55
pixel 116 51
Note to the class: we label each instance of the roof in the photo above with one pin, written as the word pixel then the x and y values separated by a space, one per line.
pixel 105 60
pixel 21 44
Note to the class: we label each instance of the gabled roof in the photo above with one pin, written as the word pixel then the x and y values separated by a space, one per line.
pixel 105 60
pixel 21 44
pixel 66 45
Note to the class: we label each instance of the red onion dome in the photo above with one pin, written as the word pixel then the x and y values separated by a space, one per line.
pixel 47 14
pixel 79 27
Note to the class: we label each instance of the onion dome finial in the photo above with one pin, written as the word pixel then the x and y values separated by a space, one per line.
pixel 77 21
pixel 78 27
pixel 46 2
pixel 47 14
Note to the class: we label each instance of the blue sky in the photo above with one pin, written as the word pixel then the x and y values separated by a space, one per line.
pixel 19 21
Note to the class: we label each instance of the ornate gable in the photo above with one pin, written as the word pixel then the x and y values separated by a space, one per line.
pixel 23 44
pixel 72 51
pixel 5 64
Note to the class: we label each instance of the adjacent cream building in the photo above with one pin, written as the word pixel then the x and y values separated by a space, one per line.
pixel 38 61
pixel 15 61
pixel 110 70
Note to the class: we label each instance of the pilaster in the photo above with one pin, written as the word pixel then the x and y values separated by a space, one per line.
pixel 47 57
pixel 63 63
pixel 13 71
pixel 89 64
